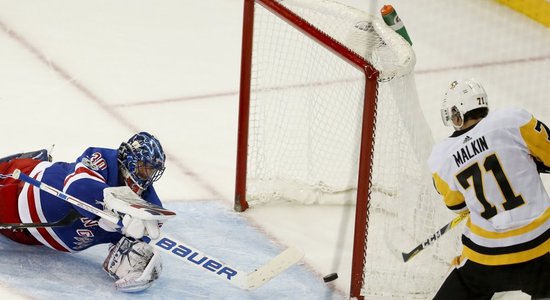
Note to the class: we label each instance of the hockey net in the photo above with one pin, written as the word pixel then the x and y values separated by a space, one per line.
pixel 329 115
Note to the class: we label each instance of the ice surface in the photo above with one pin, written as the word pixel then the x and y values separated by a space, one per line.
pixel 82 73
pixel 38 272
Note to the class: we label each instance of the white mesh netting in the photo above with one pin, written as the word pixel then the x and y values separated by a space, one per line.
pixel 306 107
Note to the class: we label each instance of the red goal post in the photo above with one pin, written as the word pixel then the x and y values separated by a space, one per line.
pixel 328 113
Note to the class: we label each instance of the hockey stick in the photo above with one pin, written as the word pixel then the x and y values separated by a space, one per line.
pixel 435 236
pixel 185 252
pixel 69 219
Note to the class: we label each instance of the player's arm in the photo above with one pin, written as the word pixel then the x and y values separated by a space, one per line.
pixel 537 138
pixel 118 200
pixel 88 190
pixel 453 199
pixel 134 264
pixel 151 196
pixel 88 180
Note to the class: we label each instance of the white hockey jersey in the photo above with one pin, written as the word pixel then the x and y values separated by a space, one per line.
pixel 490 170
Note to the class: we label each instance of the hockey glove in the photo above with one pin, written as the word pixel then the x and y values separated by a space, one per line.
pixel 139 217
pixel 134 265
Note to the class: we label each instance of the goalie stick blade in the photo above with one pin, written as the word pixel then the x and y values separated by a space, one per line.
pixel 273 268
pixel 408 256
pixel 200 260
pixel 17 174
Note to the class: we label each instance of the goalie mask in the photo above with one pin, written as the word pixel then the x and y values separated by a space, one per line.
pixel 461 97
pixel 141 161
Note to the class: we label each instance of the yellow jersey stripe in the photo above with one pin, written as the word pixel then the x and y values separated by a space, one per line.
pixel 509 258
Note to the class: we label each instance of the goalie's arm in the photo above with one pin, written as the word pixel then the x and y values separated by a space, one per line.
pixel 66 197
pixel 88 191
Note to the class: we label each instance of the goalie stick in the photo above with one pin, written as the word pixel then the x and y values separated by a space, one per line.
pixel 69 219
pixel 184 252
pixel 408 256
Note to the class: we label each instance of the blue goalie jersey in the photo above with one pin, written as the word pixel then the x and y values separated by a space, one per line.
pixel 85 179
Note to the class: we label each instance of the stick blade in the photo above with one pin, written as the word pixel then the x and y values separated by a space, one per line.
pixel 408 256
pixel 274 267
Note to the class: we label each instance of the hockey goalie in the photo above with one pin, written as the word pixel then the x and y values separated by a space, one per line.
pixel 118 181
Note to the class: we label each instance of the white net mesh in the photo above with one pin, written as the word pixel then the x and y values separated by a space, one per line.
pixel 306 107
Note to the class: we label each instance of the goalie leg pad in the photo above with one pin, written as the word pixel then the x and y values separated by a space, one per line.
pixel 134 265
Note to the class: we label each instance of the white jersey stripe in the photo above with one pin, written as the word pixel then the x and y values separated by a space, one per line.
pixel 45 236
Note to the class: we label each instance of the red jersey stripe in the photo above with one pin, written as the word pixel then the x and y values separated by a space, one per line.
pixel 35 218
pixel 80 169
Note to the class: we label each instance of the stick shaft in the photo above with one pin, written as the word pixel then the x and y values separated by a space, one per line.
pixel 17 174
pixel 432 239
pixel 65 221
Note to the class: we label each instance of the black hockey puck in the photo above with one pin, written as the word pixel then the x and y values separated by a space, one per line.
pixel 330 277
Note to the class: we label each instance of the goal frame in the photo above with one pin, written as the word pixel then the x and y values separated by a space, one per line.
pixel 367 128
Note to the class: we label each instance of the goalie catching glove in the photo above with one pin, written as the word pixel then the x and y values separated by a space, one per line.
pixel 139 217
pixel 134 265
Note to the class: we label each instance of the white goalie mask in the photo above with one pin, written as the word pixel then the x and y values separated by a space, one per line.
pixel 462 97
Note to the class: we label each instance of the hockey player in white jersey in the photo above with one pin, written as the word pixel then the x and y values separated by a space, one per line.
pixel 490 167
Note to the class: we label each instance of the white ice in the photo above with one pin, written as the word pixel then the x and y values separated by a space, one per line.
pixel 82 73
